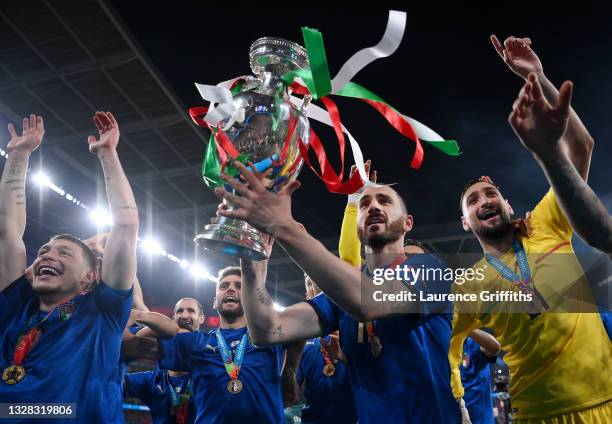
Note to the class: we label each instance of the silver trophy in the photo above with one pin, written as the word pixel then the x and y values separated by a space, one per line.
pixel 268 136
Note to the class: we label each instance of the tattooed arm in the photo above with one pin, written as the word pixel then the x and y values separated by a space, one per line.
pixel 119 265
pixel 540 126
pixel 583 208
pixel 267 325
pixel 289 385
pixel 13 199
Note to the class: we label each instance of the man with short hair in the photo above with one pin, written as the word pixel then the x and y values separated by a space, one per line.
pixel 544 267
pixel 168 394
pixel 398 365
pixel 557 324
pixel 59 340
pixel 232 379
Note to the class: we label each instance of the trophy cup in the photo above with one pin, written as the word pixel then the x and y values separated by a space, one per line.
pixel 268 137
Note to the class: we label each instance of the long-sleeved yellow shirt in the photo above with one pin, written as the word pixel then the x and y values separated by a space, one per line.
pixel 559 362
pixel 349 247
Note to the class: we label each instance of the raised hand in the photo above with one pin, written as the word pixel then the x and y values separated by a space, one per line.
pixel 367 165
pixel 108 130
pixel 333 347
pixel 538 124
pixel 96 243
pixel 522 226
pixel 31 135
pixel 268 243
pixel 518 55
pixel 372 176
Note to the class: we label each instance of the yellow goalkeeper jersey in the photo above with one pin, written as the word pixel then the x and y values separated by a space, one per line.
pixel 559 361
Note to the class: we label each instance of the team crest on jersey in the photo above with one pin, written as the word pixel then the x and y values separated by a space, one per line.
pixel 66 310
pixel 466 360
pixel 235 343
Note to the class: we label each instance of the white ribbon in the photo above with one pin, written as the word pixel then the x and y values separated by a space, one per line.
pixel 396 24
pixel 423 131
pixel 221 103
pixel 222 106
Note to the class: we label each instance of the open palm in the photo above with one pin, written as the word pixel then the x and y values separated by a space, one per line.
pixel 518 55
pixel 537 123
pixel 31 136
pixel 108 130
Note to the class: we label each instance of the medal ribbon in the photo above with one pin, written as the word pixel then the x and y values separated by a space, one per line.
pixel 179 404
pixel 371 329
pixel 324 351
pixel 370 326
pixel 507 273
pixel 29 336
pixel 232 366
pixel 523 281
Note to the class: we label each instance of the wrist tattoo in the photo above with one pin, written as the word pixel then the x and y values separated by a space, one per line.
pixel 15 168
pixel 278 332
pixel 263 296
pixel 13 181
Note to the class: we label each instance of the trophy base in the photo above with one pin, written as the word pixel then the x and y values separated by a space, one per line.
pixel 232 237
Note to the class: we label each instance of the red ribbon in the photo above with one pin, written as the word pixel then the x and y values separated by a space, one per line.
pixel 25 345
pixel 396 120
pixel 402 126
pixel 285 151
pixel 223 143
pixel 332 180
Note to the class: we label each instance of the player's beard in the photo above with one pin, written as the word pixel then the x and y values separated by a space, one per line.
pixel 231 314
pixel 379 240
pixel 498 231
pixel 187 325
pixel 45 290
pixel 42 289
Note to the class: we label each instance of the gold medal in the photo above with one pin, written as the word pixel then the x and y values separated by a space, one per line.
pixel 375 346
pixel 234 386
pixel 329 370
pixel 13 374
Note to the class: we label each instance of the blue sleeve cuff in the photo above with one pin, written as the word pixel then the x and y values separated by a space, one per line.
pixel 324 308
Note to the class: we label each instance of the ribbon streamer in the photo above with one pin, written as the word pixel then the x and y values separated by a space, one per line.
pixel 221 102
pixel 396 25
pixel 316 82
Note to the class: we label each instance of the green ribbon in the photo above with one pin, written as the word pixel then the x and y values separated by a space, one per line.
pixel 354 90
pixel 318 81
pixel 211 168
pixel 317 78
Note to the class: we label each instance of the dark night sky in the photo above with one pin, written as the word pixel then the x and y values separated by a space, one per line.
pixel 445 74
